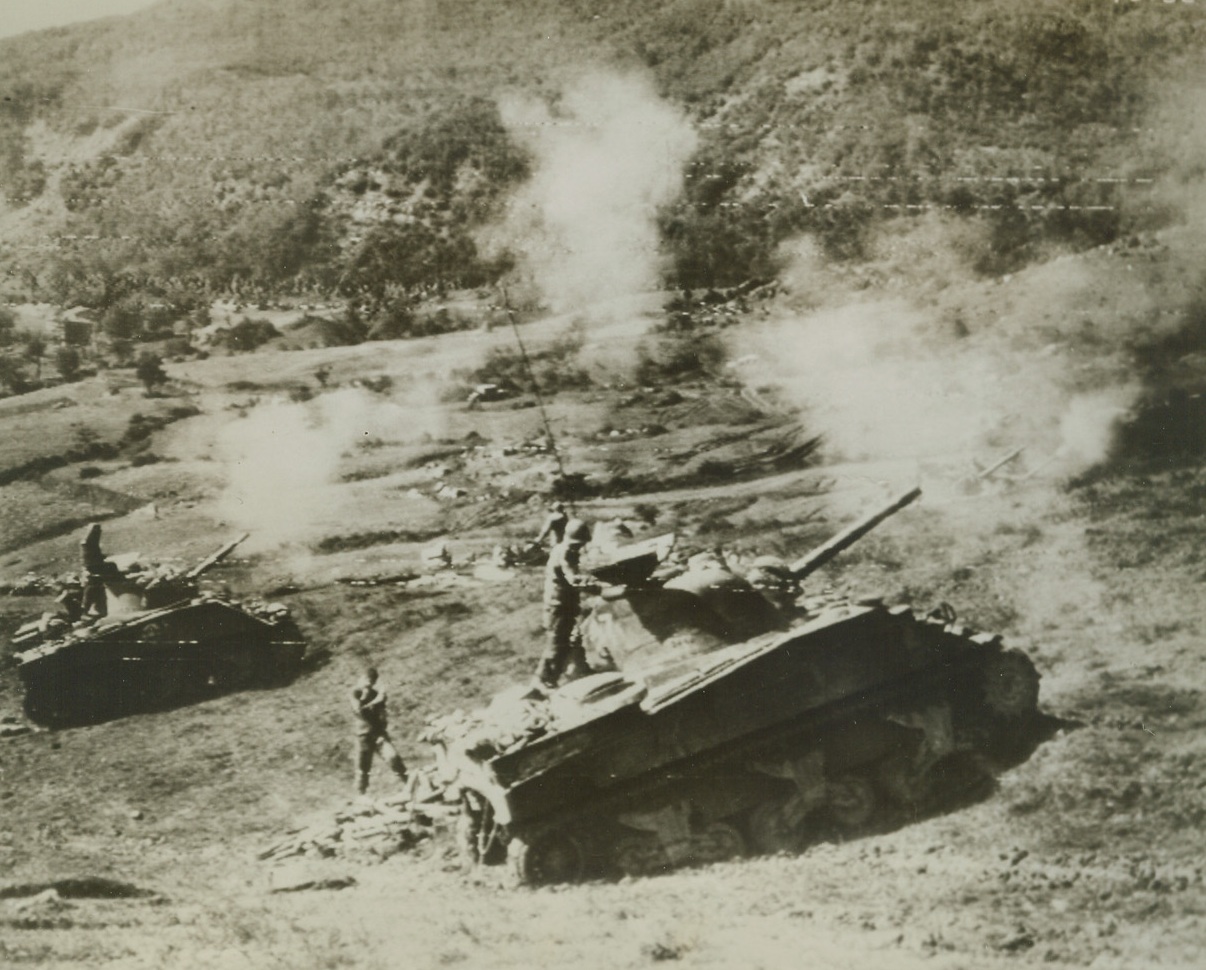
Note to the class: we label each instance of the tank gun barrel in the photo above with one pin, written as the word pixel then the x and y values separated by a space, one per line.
pixel 998 465
pixel 819 556
pixel 214 558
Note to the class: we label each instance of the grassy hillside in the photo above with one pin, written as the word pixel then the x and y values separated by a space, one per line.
pixel 286 145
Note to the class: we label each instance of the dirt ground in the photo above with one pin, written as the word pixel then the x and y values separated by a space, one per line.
pixel 1087 854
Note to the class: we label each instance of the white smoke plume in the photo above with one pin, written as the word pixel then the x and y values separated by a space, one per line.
pixel 884 380
pixel 283 462
pixel 1088 426
pixel 608 156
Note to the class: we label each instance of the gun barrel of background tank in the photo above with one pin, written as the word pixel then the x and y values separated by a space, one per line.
pixel 849 536
pixel 215 558
pixel 997 465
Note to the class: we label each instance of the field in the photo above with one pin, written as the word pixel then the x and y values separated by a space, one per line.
pixel 1085 552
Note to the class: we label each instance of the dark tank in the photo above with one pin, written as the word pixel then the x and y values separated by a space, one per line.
pixel 160 640
pixel 734 722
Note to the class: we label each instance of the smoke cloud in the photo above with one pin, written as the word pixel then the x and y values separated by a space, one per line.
pixel 608 156
pixel 884 380
pixel 283 462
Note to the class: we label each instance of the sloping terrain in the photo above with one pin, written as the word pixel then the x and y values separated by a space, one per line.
pixel 1087 557
pixel 768 264
pixel 246 148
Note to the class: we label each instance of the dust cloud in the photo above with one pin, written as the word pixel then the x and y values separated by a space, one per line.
pixel 883 380
pixel 608 155
pixel 282 462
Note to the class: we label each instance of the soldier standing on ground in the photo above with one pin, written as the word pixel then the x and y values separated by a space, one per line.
pixel 564 583
pixel 372 730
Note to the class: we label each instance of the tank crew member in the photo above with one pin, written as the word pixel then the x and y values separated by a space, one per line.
pixel 554 524
pixel 96 569
pixel 372 730
pixel 564 583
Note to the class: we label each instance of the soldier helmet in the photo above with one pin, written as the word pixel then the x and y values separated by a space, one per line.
pixel 577 532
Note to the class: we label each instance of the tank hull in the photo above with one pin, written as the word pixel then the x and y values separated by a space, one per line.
pixel 760 745
pixel 155 658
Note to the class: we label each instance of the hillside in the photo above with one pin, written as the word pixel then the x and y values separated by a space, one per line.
pixel 770 263
pixel 1086 554
pixel 282 145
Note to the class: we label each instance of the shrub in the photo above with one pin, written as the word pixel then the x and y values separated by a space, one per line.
pixel 67 360
pixel 677 356
pixel 149 370
pixel 247 335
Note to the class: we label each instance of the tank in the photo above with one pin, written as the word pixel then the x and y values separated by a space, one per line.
pixel 733 721
pixel 162 641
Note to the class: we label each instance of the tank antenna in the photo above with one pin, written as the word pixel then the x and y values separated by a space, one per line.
pixel 527 366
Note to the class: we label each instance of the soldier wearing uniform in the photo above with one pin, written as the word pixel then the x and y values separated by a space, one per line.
pixel 96 569
pixel 554 524
pixel 564 583
pixel 372 730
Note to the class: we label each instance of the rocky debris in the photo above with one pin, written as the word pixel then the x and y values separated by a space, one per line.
pixel 528 553
pixel 299 878
pixel 47 901
pixel 37 584
pixel 372 830
pixel 513 718
pixel 12 727
pixel 382 579
pixel 437 556
pixel 79 887
pixel 1022 939
pixel 627 434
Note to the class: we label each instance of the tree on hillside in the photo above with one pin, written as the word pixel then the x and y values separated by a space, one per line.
pixel 123 320
pixel 34 349
pixel 10 375
pixel 8 322
pixel 67 360
pixel 122 350
pixel 149 370
pixel 247 335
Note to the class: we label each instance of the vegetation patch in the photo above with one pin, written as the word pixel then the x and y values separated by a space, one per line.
pixel 366 540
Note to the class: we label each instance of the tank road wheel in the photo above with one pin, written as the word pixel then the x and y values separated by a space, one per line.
pixel 1011 685
pixel 555 857
pixel 640 854
pixel 962 778
pixel 851 801
pixel 718 842
pixel 771 830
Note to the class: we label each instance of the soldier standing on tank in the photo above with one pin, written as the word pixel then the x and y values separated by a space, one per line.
pixel 96 569
pixel 554 525
pixel 372 730
pixel 564 583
